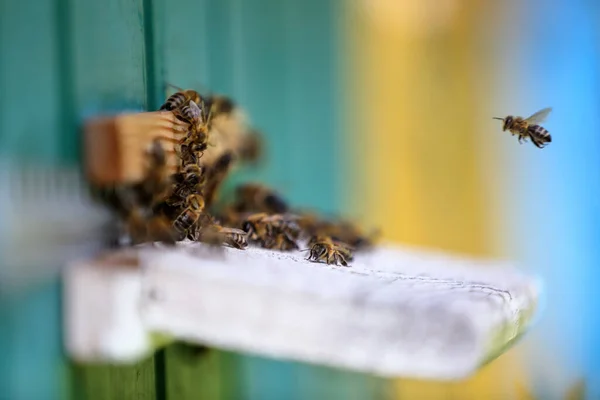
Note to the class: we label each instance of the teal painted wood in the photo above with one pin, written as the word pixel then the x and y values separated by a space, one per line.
pixel 31 121
pixel 109 64
pixel 30 105
pixel 32 365
pixel 61 61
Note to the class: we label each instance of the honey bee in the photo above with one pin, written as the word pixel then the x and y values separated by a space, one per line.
pixel 198 130
pixel 235 238
pixel 286 224
pixel 528 127
pixel 322 248
pixel 255 227
pixel 220 104
pixel 216 174
pixel 188 182
pixel 251 148
pixel 180 99
pixel 271 231
pixel 190 216
pixel 283 242
pixel 157 184
pixel 143 227
pixel 141 223
pixel 259 198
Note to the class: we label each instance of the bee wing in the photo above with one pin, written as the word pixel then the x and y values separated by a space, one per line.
pixel 539 116
pixel 177 88
pixel 196 112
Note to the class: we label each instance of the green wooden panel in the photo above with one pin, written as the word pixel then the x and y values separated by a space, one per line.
pixel 104 382
pixel 198 373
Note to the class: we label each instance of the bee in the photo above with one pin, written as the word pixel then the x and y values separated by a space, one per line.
pixel 157 183
pixel 256 228
pixel 188 182
pixel 528 127
pixel 190 216
pixel 198 130
pixel 323 248
pixel 216 174
pixel 235 238
pixel 283 242
pixel 259 198
pixel 272 231
pixel 220 104
pixel 286 224
pixel 180 99
pixel 251 148
pixel 146 227
pixel 141 223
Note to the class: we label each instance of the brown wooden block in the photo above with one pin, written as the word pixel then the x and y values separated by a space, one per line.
pixel 114 146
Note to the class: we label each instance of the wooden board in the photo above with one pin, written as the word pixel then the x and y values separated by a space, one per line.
pixel 396 312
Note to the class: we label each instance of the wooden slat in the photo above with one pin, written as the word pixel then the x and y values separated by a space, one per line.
pixel 104 382
pixel 109 68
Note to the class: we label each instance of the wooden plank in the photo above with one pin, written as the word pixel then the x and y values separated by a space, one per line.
pixel 396 312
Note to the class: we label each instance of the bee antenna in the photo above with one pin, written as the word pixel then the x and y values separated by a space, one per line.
pixel 501 119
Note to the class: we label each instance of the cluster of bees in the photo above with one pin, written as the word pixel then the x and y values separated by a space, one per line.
pixel 176 203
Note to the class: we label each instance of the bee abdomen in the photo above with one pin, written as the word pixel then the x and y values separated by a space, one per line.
pixel 540 133
pixel 184 221
pixel 173 102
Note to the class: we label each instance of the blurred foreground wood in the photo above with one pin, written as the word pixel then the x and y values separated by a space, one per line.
pixel 395 313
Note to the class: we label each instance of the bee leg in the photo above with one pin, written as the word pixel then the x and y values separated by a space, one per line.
pixel 537 144
pixel 162 231
pixel 343 260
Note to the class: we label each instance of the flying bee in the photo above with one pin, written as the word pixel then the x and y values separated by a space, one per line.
pixel 190 216
pixel 529 127
pixel 181 98
pixel 325 249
